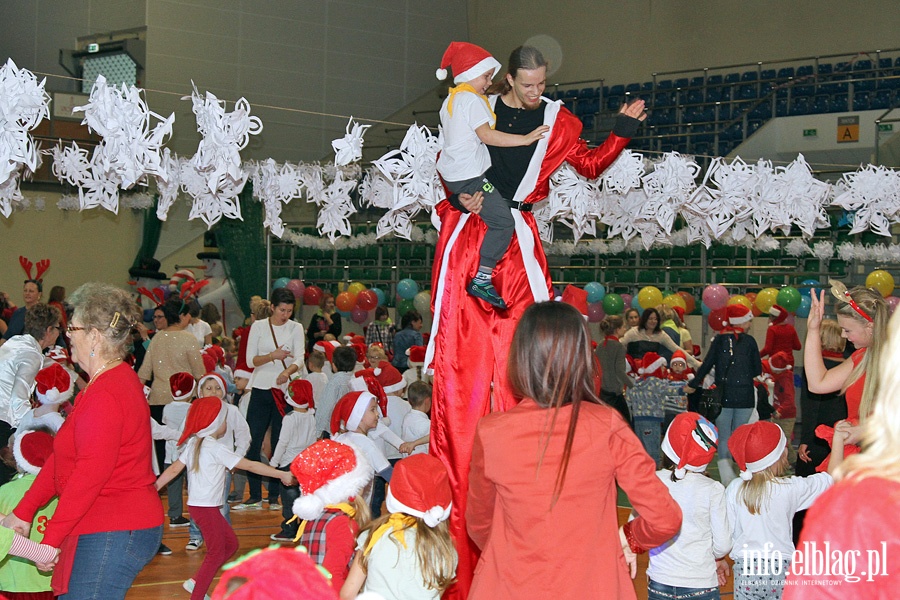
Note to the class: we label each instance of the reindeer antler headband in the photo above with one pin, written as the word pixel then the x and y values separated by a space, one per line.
pixel 840 291
pixel 42 267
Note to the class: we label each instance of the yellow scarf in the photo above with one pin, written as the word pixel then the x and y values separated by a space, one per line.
pixel 396 522
pixel 344 507
pixel 465 87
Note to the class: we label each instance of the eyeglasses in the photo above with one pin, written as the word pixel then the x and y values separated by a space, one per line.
pixel 73 328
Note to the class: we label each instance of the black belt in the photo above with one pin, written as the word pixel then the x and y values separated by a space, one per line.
pixel 520 206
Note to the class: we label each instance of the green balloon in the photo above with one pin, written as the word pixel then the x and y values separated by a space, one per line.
pixel 613 304
pixel 789 298
pixel 404 306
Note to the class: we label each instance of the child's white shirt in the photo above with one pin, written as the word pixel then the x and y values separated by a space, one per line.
pixel 174 415
pixel 384 438
pixel 205 485
pixel 367 447
pixel 237 432
pixel 298 431
pixel 160 432
pixel 689 558
pixel 464 155
pixel 416 425
pixel 411 375
pixel 397 409
pixel 774 522
pixel 51 420
pixel 318 380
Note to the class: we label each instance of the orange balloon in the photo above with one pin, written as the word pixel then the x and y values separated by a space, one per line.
pixel 690 304
pixel 673 300
pixel 345 301
pixel 751 296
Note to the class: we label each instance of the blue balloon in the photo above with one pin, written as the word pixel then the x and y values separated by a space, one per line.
pixel 636 304
pixel 280 283
pixel 407 289
pixel 345 314
pixel 803 309
pixel 705 309
pixel 381 296
pixel 806 291
pixel 596 292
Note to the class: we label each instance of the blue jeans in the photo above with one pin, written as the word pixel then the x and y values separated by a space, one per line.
pixel 658 591
pixel 649 430
pixel 106 563
pixel 226 511
pixel 729 420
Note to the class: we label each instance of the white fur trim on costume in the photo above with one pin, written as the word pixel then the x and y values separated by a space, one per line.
pixel 442 283
pixel 741 320
pixel 656 364
pixel 339 489
pixel 432 516
pixel 20 458
pixel 358 384
pixel 214 426
pixel 766 461
pixel 486 64
pixel 242 373
pixel 395 387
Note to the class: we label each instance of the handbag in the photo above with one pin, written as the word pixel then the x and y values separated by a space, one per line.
pixel 712 399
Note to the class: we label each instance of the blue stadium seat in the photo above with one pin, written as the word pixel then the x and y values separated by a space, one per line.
pixel 842 67
pixel 799 106
pixel 762 111
pixel 861 101
pixel 802 90
pixel 714 94
pixel 821 103
pixel 587 121
pixel 632 88
pixel 695 97
pixel 781 107
pixel 647 86
pixel 587 93
pixel 863 66
pixel 682 82
pixel 617 90
pixel 824 69
pixel 839 103
pixel 697 81
pixel 664 84
pixel 749 76
pixel 732 78
pixel 613 102
pixel 747 92
pixel 885 64
pixel 864 85
pixel 765 88
pixel 833 87
pixel 714 80
pixel 724 112
pixel 881 100
pixel 767 74
pixel 570 94
pixel 804 71
pixel 664 99
pixel 786 73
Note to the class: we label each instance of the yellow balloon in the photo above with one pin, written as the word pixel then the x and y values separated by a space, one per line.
pixel 650 297
pixel 881 281
pixel 765 299
pixel 355 288
pixel 673 300
pixel 742 300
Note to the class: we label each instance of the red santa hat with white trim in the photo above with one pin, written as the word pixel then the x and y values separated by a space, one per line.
pixel 300 395
pixel 678 356
pixel 182 386
pixel 420 487
pixel 32 448
pixel 652 365
pixel 275 572
pixel 204 418
pixel 738 314
pixel 328 472
pixel 349 411
pixel 366 381
pixel 327 347
pixel 53 384
pixel 778 314
pixel 577 297
pixel 389 377
pixel 756 447
pixel 215 377
pixel 780 362
pixel 467 61
pixel 690 443
pixel 416 356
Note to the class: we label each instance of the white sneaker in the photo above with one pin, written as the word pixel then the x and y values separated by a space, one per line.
pixel 193 545
pixel 189 588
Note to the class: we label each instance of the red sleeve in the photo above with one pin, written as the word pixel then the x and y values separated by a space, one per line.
pixel 341 542
pixel 659 516
pixel 42 490
pixel 98 436
pixel 591 162
pixel 770 343
pixel 796 343
pixel 481 497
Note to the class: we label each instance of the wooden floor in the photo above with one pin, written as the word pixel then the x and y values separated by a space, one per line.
pixel 163 577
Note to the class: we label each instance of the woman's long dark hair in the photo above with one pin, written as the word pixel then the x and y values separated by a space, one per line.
pixel 551 362
pixel 527 58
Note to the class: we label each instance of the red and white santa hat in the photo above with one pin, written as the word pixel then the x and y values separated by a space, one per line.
pixel 274 572
pixel 349 411
pixel 365 380
pixel 327 347
pixel 300 395
pixel 389 377
pixel 577 297
pixel 778 314
pixel 416 356
pixel 652 365
pixel 216 377
pixel 53 385
pixel 467 61
pixel 691 442
pixel 59 355
pixel 680 312
pixel 209 362
pixel 780 362
pixel 182 385
pixel 756 447
pixel 32 448
pixel 360 350
pixel 216 352
pixel 328 472
pixel 420 487
pixel 204 418
pixel 678 356
pixel 738 314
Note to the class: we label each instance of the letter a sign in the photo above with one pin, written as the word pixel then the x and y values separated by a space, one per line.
pixel 848 129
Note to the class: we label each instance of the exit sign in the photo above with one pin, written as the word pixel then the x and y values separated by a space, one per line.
pixel 885 127
pixel 810 132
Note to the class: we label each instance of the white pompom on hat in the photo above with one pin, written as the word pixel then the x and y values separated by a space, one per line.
pixel 756 447
pixel 467 61
pixel 691 442
pixel 328 472
pixel 53 384
pixel 420 487
pixel 181 385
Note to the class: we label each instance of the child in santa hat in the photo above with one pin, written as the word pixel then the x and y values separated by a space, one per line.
pixel 332 477
pixel 298 432
pixel 785 415
pixel 678 376
pixel 408 553
pixel 355 415
pixel 694 560
pixel 646 402
pixel 53 386
pixel 735 357
pixel 416 428
pixel 20 578
pixel 183 387
pixel 467 120
pixel 344 361
pixel 208 460
pixel 416 370
pixel 781 336
pixel 274 573
pixel 761 506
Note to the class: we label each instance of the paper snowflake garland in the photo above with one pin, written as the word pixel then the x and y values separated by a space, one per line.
pixel 348 149
pixel 873 193
pixel 275 186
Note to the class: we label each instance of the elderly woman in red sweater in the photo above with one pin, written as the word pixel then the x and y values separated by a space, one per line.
pixel 108 523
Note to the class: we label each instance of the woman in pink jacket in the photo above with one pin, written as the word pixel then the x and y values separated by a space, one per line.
pixel 542 487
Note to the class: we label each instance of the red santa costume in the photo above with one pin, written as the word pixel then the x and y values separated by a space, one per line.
pixel 470 378
pixel 780 335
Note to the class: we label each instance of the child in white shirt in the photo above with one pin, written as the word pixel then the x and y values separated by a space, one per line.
pixel 174 413
pixel 314 364
pixel 416 424
pixel 354 416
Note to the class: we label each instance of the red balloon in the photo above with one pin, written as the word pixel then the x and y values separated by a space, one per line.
pixel 311 295
pixel 718 319
pixel 345 301
pixel 367 300
pixel 690 304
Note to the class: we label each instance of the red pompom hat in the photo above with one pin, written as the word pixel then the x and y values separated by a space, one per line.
pixel 209 362
pixel 420 487
pixel 300 394
pixel 53 385
pixel 780 362
pixel 182 385
pixel 738 314
pixel 756 447
pixel 274 573
pixel 327 348
pixel 349 410
pixel 467 61
pixel 652 365
pixel 778 314
pixel 366 381
pixel 678 355
pixel 577 297
pixel 389 377
pixel 32 449
pixel 204 418
pixel 416 356
pixel 691 442
pixel 328 472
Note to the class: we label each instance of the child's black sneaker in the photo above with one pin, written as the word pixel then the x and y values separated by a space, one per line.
pixel 486 292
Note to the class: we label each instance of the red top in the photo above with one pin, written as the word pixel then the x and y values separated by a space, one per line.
pixel 784 394
pixel 781 337
pixel 855 390
pixel 101 464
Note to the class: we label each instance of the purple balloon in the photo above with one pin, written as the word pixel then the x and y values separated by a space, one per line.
pixel 715 296
pixel 892 302
pixel 595 312
pixel 296 287
pixel 627 299
pixel 359 315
